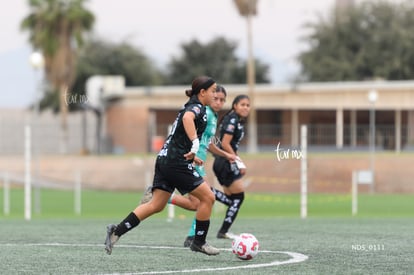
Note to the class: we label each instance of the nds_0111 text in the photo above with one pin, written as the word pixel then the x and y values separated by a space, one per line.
pixel 368 247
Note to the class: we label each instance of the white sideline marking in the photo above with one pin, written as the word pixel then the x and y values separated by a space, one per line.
pixel 296 257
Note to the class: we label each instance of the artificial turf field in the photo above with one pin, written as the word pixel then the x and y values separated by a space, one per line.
pixel 379 240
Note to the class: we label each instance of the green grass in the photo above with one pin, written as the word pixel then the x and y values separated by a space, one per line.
pixel 379 240
pixel 332 245
pixel 104 204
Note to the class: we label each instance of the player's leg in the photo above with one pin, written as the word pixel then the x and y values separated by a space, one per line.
pixel 206 197
pixel 191 203
pixel 141 212
pixel 196 202
pixel 191 234
pixel 224 172
pixel 187 202
pixel 236 193
pixel 221 197
pixel 147 196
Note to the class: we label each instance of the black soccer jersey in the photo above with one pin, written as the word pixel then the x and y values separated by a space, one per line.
pixel 231 125
pixel 177 144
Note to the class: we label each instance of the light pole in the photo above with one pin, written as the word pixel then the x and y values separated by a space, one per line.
pixel 248 8
pixel 372 98
pixel 37 62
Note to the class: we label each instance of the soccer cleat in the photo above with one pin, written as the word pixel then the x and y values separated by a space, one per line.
pixel 147 195
pixel 111 238
pixel 205 248
pixel 188 241
pixel 227 235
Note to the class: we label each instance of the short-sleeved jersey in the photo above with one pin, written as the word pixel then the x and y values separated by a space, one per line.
pixel 177 143
pixel 208 134
pixel 231 125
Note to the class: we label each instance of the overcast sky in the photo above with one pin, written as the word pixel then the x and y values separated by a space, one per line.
pixel 159 27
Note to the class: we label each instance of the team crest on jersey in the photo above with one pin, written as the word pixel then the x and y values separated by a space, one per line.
pixel 196 110
pixel 233 120
pixel 230 128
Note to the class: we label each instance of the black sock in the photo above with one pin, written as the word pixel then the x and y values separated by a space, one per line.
pixel 221 197
pixel 232 211
pixel 127 224
pixel 201 231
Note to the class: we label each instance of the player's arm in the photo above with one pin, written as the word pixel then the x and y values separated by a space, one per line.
pixel 217 151
pixel 225 143
pixel 191 132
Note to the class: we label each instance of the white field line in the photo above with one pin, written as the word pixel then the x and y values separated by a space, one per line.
pixel 295 257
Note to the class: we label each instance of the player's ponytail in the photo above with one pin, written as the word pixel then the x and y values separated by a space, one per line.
pixel 198 84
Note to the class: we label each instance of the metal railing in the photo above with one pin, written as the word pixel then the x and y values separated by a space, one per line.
pixel 46 137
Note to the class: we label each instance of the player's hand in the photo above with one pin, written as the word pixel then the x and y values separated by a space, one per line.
pixel 192 156
pixel 231 157
pixel 240 164
pixel 198 161
pixel 189 156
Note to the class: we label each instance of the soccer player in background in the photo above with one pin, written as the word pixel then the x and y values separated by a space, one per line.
pixel 229 174
pixel 174 170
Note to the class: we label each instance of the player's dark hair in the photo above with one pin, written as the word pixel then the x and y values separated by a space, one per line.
pixel 235 101
pixel 220 89
pixel 198 84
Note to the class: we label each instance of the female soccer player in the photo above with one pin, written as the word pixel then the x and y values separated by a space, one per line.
pixel 229 174
pixel 174 170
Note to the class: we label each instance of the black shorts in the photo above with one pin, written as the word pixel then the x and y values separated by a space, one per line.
pixel 225 171
pixel 182 177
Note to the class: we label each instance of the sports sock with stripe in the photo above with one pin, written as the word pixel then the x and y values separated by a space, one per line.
pixel 201 231
pixel 127 224
pixel 232 211
pixel 221 197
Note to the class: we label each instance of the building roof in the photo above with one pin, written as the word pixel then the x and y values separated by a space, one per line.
pixel 392 95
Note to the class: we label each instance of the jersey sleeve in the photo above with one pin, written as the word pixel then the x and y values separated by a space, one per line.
pixel 210 130
pixel 230 125
pixel 196 109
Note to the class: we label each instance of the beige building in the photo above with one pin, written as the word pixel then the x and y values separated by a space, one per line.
pixel 338 115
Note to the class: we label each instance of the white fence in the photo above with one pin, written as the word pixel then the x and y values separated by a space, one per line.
pixel 29 183
pixel 46 132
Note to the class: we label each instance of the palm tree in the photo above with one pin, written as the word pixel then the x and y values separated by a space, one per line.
pixel 247 8
pixel 56 28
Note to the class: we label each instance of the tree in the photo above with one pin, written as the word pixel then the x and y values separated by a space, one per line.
pixel 216 58
pixel 248 9
pixel 100 57
pixel 56 28
pixel 367 41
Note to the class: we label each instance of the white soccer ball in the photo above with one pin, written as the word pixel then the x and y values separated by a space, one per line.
pixel 245 246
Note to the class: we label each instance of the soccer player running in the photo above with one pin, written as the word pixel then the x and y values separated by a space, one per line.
pixel 206 144
pixel 174 170
pixel 229 174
